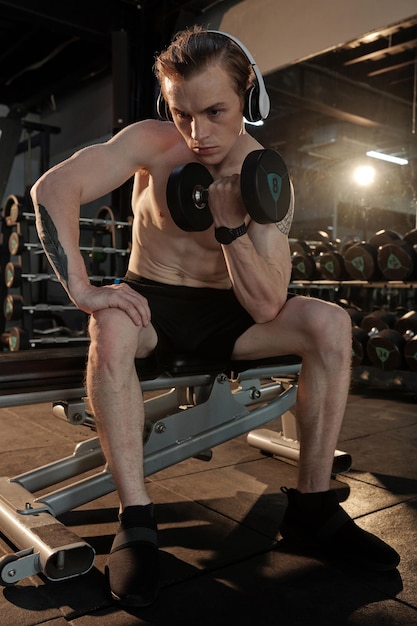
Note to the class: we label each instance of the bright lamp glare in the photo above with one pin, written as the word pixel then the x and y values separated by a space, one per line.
pixel 387 157
pixel 364 175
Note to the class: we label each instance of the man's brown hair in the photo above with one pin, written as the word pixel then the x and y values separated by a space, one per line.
pixel 194 49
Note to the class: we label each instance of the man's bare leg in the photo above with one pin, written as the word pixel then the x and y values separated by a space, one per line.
pixel 116 398
pixel 320 333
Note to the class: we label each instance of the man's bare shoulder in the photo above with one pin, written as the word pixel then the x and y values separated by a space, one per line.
pixel 147 140
pixel 160 132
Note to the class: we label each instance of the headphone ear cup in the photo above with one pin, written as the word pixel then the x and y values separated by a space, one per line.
pixel 162 108
pixel 251 107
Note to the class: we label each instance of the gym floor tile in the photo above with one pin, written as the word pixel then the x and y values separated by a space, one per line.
pixel 222 557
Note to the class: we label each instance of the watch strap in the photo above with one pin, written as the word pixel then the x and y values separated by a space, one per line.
pixel 234 232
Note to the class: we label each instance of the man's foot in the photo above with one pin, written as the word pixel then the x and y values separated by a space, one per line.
pixel 316 521
pixel 132 569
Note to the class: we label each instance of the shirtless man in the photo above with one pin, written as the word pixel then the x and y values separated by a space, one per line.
pixel 174 277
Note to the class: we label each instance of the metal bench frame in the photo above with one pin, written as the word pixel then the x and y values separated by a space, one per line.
pixel 195 411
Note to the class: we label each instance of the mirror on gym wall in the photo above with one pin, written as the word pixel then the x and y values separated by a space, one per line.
pixel 334 117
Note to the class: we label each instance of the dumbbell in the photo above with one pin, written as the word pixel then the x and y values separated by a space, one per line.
pixel 397 260
pixel 371 325
pixel 386 350
pixel 304 266
pixel 355 314
pixel 17 246
pixel 305 258
pixel 265 189
pixel 13 276
pixel 13 308
pixel 13 210
pixel 361 259
pixel 18 339
pixel 332 265
pixel 359 336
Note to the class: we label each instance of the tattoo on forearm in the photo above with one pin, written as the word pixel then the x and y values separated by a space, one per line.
pixel 52 246
pixel 284 225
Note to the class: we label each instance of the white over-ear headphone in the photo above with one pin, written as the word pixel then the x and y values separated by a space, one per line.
pixel 257 103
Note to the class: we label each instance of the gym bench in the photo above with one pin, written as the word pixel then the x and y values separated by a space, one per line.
pixel 200 405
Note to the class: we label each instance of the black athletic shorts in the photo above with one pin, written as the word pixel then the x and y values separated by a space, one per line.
pixel 193 321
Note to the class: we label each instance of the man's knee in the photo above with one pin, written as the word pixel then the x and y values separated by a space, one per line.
pixel 116 340
pixel 326 326
pixel 333 331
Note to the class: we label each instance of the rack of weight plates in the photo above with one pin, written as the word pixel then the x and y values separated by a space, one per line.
pixel 36 311
pixel 376 281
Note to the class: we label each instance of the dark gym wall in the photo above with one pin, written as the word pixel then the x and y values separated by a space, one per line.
pixel 277 33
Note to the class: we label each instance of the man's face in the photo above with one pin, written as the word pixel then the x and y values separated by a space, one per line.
pixel 207 112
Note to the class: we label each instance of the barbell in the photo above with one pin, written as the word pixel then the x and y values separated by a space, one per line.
pixel 264 183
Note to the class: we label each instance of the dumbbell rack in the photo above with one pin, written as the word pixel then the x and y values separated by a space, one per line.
pixel 373 293
pixel 22 254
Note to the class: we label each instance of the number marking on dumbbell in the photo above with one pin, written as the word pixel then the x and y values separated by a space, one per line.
pixel 265 189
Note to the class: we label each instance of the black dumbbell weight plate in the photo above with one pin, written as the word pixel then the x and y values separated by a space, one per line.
pixel 15 244
pixel 265 185
pixel 18 339
pixel 12 210
pixel 359 340
pixel 185 183
pixel 385 350
pixel 410 354
pixel 361 262
pixel 383 236
pixel 397 261
pixel 303 267
pixel 12 275
pixel 332 266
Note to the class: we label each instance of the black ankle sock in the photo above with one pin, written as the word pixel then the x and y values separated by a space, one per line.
pixel 311 508
pixel 133 516
pixel 324 502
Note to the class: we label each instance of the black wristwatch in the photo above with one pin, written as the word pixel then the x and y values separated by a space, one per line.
pixel 226 235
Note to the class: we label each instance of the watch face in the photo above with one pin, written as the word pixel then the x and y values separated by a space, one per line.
pixel 224 235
